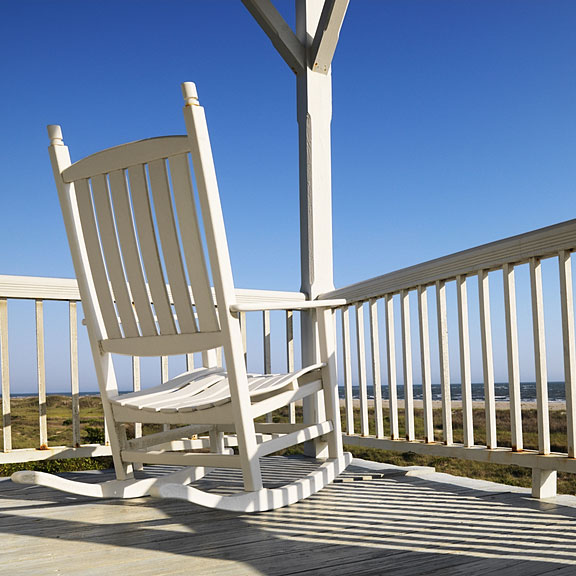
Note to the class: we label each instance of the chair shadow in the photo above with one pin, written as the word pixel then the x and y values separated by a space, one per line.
pixel 396 525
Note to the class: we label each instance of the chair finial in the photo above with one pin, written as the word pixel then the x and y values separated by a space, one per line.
pixel 55 135
pixel 190 94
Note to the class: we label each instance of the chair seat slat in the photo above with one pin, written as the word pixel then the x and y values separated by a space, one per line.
pixel 201 390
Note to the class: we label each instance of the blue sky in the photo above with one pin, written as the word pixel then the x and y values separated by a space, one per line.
pixel 454 122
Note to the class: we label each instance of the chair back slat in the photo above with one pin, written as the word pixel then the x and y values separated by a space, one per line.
pixel 111 252
pixel 94 253
pixel 130 253
pixel 192 243
pixel 148 252
pixel 173 262
pixel 149 248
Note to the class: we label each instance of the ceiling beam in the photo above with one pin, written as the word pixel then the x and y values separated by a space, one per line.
pixel 326 37
pixel 280 34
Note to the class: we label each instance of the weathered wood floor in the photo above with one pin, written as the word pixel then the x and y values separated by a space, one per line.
pixel 399 524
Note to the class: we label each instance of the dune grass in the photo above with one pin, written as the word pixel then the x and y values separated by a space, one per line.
pixel 25 434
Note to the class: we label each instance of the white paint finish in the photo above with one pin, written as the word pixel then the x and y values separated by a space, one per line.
pixel 487 357
pixel 170 246
pixel 54 453
pixel 391 357
pixel 287 305
pixel 207 396
pixel 125 156
pixel 314 114
pixel 477 453
pixel 542 243
pixel 111 254
pixel 74 380
pixel 130 254
pixel 513 357
pixel 540 356
pixel 5 373
pixel 290 357
pixel 95 262
pixel 347 363
pixel 376 375
pixel 567 308
pixel 136 387
pixel 465 375
pixel 41 374
pixel 66 289
pixel 425 363
pixel 280 34
pixel 192 244
pixel 362 381
pixel 444 362
pixel 407 364
pixel 264 499
pixel 267 348
pixel 544 483
pixel 327 33
pixel 149 250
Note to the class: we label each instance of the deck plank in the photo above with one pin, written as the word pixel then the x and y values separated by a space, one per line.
pixel 405 525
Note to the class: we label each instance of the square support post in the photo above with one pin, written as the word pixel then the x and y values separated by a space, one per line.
pixel 543 483
pixel 314 113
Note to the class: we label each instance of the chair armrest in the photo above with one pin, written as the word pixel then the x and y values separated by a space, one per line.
pixel 288 305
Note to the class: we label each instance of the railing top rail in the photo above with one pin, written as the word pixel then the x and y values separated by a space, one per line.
pixel 541 243
pixel 42 288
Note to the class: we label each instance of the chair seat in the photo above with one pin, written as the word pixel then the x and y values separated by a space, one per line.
pixel 204 388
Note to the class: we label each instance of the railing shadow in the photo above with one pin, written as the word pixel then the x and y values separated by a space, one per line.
pixel 396 525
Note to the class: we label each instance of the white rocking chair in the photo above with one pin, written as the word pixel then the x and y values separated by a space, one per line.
pixel 137 245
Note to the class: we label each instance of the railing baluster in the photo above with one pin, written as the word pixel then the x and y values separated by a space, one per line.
pixel 391 356
pixel 376 376
pixel 444 362
pixel 465 377
pixel 362 384
pixel 290 357
pixel 41 374
pixel 407 364
pixel 243 332
pixel 567 306
pixel 189 362
pixel 165 376
pixel 74 381
pixel 425 364
pixel 347 362
pixel 540 356
pixel 136 387
pixel 267 349
pixel 513 358
pixel 6 415
pixel 487 357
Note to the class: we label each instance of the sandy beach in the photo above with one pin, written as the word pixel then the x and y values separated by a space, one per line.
pixel 457 404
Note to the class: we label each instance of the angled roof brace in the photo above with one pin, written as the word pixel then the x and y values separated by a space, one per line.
pixel 326 37
pixel 280 34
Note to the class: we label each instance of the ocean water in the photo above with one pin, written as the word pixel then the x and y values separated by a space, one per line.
pixel 556 391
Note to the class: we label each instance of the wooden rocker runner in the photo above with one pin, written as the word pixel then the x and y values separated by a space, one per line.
pixel 135 236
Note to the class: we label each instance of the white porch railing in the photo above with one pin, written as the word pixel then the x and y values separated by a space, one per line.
pixel 40 290
pixel 390 338
pixel 496 262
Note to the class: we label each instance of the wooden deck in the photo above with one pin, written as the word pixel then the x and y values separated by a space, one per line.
pixel 425 523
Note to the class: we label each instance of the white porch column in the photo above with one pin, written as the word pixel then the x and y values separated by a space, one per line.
pixel 314 114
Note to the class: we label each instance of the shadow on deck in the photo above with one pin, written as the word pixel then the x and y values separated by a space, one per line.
pixel 398 524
